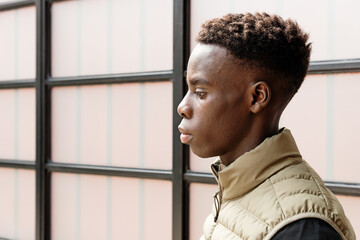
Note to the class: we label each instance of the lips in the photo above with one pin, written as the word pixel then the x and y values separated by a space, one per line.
pixel 185 137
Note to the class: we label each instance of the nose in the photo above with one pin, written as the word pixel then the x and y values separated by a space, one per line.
pixel 184 109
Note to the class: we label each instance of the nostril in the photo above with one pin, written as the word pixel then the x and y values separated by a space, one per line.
pixel 184 108
pixel 185 111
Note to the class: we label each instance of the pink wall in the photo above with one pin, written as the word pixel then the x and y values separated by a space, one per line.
pixel 97 207
pixel 17 124
pixel 17 48
pixel 128 125
pixel 352 209
pixel 17 204
pixel 201 201
pixel 125 36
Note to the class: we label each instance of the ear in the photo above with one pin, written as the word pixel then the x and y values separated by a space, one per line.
pixel 261 95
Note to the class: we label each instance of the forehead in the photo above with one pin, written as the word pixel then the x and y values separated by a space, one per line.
pixel 214 63
pixel 205 55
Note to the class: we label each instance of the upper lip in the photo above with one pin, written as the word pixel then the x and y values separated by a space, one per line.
pixel 182 131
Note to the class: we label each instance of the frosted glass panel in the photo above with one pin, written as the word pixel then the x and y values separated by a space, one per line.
pixel 351 207
pixel 127 125
pixel 306 117
pixel 346 127
pixel 327 132
pixel 324 20
pixel 17 48
pixel 99 207
pixel 101 36
pixel 199 164
pixel 157 125
pixel 201 200
pixel 157 202
pixel 17 204
pixel 17 124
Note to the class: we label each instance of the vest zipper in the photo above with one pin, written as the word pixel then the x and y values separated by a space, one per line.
pixel 217 204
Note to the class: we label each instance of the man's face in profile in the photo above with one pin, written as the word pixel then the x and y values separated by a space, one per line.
pixel 216 103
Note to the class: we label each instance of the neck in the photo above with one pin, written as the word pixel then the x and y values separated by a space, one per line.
pixel 254 137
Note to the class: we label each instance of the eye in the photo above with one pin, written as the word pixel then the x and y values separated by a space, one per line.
pixel 200 94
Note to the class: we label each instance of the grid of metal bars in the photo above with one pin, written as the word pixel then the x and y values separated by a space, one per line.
pixel 180 176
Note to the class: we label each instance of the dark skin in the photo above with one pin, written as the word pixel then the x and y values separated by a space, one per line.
pixel 229 108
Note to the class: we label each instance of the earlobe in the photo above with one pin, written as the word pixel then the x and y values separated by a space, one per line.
pixel 261 95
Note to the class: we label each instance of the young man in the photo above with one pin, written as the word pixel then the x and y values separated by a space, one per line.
pixel 241 75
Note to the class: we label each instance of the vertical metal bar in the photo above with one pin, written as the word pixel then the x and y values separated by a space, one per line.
pixel 178 151
pixel 180 156
pixel 42 122
pixel 48 120
pixel 186 156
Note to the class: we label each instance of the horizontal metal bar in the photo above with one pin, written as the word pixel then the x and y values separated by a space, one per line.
pixel 347 189
pixel 111 78
pixel 199 177
pixel 334 66
pixel 109 171
pixel 15 4
pixel 22 83
pixel 23 164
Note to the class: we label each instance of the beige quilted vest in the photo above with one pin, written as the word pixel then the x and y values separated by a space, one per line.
pixel 268 188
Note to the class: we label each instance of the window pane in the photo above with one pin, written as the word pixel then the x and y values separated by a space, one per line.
pixel 324 20
pixel 17 124
pixel 99 207
pixel 201 200
pixel 199 164
pixel 17 204
pixel 346 127
pixel 328 133
pixel 351 207
pixel 128 125
pixel 17 48
pixel 99 36
pixel 309 132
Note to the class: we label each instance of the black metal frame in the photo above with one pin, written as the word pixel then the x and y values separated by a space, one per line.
pixel 23 83
pixel 110 171
pixel 181 176
pixel 155 76
pixel 15 5
pixel 19 164
pixel 180 152
pixel 334 66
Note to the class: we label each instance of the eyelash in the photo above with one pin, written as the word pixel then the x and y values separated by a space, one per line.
pixel 200 95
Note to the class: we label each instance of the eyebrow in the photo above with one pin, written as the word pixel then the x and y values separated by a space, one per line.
pixel 198 81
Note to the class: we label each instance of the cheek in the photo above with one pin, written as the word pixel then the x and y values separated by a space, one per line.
pixel 231 123
pixel 213 128
pixel 214 118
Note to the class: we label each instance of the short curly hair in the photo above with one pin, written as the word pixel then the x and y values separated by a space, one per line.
pixel 265 41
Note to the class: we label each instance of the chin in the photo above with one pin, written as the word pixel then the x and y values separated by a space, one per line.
pixel 202 153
